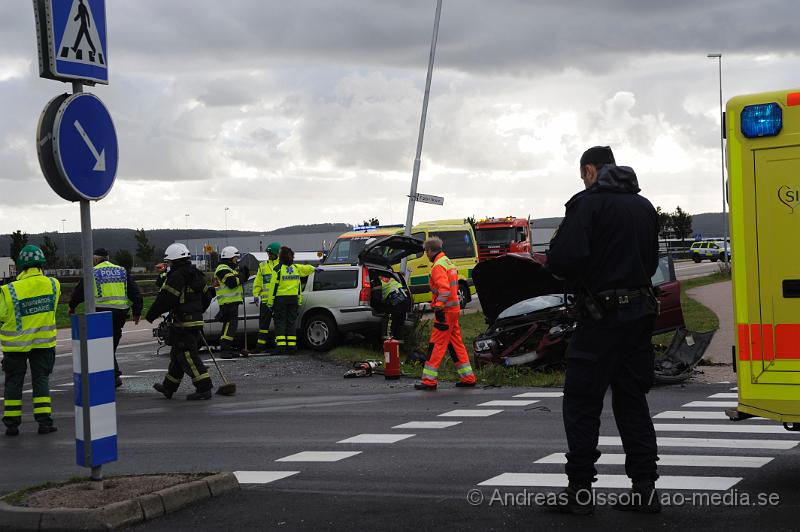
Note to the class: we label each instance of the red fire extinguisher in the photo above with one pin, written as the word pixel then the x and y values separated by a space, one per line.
pixel 391 350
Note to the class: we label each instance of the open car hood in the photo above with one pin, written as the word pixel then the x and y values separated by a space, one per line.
pixel 389 250
pixel 509 279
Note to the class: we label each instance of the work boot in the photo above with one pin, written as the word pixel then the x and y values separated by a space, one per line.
pixel 13 430
pixel 199 396
pixel 643 499
pixel 462 384
pixel 46 429
pixel 423 386
pixel 576 499
pixel 227 355
pixel 160 388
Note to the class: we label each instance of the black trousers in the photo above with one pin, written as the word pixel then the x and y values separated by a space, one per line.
pixel 285 309
pixel 602 355
pixel 396 309
pixel 118 319
pixel 184 359
pixel 264 320
pixel 229 316
pixel 15 365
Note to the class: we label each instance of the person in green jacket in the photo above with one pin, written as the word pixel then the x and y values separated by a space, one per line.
pixel 262 284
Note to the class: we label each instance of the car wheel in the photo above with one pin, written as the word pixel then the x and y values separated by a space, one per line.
pixel 320 332
pixel 463 295
pixel 714 259
pixel 696 257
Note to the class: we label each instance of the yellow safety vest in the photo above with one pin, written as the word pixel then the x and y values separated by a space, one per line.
pixel 389 287
pixel 286 281
pixel 28 312
pixel 263 281
pixel 227 295
pixel 111 286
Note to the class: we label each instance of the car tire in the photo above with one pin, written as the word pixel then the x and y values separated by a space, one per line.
pixel 714 259
pixel 320 332
pixel 696 257
pixel 463 295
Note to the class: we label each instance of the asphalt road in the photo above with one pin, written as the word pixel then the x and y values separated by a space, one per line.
pixel 301 404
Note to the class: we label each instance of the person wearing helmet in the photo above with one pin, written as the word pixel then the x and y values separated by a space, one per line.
pixel 114 289
pixel 229 297
pixel 185 295
pixel 262 284
pixel 28 336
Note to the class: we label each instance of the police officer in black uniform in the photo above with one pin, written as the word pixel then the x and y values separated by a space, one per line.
pixel 185 295
pixel 607 250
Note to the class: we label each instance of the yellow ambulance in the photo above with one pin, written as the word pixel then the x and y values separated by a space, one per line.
pixel 763 157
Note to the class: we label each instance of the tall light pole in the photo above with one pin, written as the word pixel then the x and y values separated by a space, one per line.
pixel 64 240
pixel 226 225
pixel 725 247
pixel 412 197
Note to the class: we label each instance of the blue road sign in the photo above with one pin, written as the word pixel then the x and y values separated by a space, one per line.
pixel 73 43
pixel 77 147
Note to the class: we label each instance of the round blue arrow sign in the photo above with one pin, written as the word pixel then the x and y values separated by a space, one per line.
pixel 85 146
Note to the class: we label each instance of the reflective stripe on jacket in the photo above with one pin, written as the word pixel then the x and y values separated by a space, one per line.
pixel 286 281
pixel 444 284
pixel 28 312
pixel 111 286
pixel 226 295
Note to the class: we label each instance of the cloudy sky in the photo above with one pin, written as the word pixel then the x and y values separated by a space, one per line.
pixel 308 111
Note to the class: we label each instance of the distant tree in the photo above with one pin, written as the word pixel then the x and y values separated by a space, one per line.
pixel 123 258
pixel 681 222
pixel 50 250
pixel 664 223
pixel 145 251
pixel 18 241
pixel 371 221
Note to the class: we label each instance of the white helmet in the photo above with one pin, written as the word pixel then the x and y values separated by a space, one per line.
pixel 229 252
pixel 176 251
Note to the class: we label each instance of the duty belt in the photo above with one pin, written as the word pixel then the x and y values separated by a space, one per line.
pixel 622 296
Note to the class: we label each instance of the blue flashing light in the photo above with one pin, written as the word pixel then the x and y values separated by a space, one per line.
pixel 762 120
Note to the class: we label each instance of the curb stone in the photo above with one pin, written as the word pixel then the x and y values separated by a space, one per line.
pixel 119 514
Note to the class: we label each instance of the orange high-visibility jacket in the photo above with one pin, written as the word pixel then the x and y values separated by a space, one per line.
pixel 444 284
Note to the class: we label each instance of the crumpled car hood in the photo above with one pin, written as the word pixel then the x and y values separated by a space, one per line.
pixel 510 279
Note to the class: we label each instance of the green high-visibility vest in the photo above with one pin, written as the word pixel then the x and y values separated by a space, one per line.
pixel 388 287
pixel 227 295
pixel 28 312
pixel 111 286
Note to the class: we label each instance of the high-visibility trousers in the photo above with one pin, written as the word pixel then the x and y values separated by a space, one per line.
pixel 285 309
pixel 184 359
pixel 15 365
pixel 264 320
pixel 229 316
pixel 444 335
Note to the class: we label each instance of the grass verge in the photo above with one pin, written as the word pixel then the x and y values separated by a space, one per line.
pixel 697 316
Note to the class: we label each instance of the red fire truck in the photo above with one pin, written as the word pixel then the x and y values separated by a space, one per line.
pixel 498 236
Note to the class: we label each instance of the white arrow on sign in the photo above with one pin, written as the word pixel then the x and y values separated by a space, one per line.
pixel 100 165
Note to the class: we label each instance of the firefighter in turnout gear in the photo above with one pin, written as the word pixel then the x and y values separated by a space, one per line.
pixel 262 285
pixel 397 304
pixel 185 296
pixel 285 299
pixel 229 297
pixel 446 329
pixel 28 336
pixel 113 289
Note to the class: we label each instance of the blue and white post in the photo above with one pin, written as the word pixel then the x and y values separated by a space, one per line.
pixel 95 393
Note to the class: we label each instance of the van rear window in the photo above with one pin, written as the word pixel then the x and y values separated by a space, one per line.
pixel 335 280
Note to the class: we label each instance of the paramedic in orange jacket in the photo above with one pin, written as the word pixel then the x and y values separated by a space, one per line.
pixel 446 329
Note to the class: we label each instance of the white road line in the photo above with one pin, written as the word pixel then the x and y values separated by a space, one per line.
pixel 470 413
pixel 614 441
pixel 735 389
pixel 261 477
pixel 711 404
pixel 377 438
pixel 318 456
pixel 131 376
pixel 725 395
pixel 51 391
pixel 732 427
pixel 508 402
pixel 699 414
pixel 689 460
pixel 152 371
pixel 558 480
pixel 427 425
pixel 533 395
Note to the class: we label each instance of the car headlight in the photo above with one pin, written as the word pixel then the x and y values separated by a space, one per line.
pixel 484 345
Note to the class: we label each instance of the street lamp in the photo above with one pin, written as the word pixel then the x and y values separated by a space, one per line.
pixel 64 241
pixel 725 247
pixel 186 216
pixel 226 225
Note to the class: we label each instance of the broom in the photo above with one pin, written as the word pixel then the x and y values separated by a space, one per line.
pixel 227 388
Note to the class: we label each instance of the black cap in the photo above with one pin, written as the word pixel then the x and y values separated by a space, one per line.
pixel 598 155
pixel 101 252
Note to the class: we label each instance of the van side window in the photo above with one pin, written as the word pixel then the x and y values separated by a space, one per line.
pixel 457 244
pixel 335 280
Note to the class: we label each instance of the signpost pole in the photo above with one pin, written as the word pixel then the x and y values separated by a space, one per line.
pixel 412 197
pixel 89 306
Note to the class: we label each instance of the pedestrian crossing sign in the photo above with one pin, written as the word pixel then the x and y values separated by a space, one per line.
pixel 72 40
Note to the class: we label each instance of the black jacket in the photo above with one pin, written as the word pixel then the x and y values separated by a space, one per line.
pixel 609 236
pixel 184 293
pixel 134 295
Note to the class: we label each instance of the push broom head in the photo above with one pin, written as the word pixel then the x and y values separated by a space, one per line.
pixel 229 388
